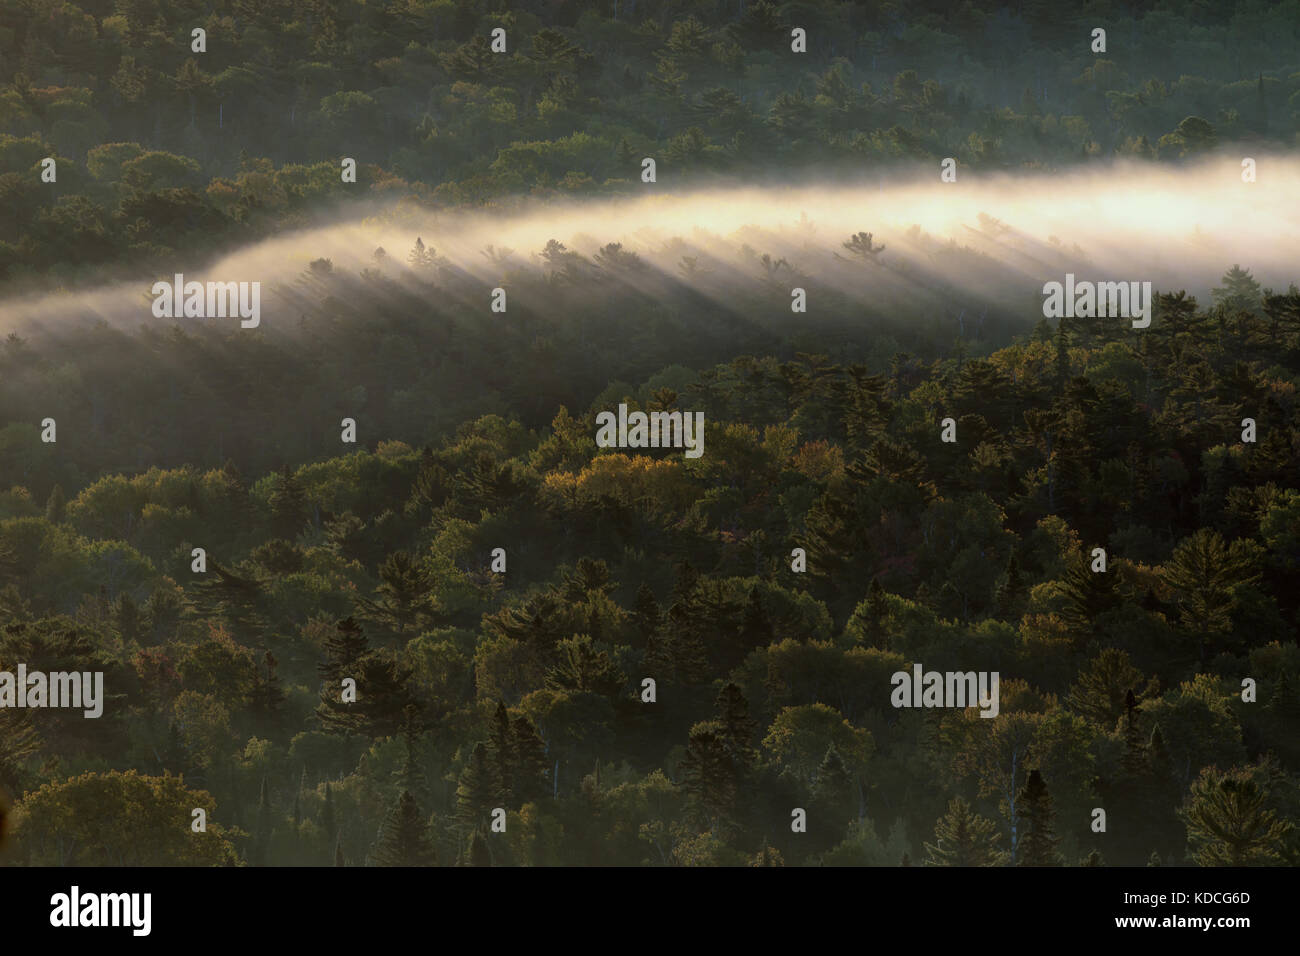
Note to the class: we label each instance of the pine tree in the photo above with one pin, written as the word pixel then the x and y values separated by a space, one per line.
pixel 338 853
pixel 502 753
pixel 382 691
pixel 875 613
pixel 645 614
pixel 685 650
pixel 833 786
pixel 405 840
pixel 737 726
pixel 1087 595
pixel 535 622
pixel 476 792
pixel 587 577
pixel 1228 823
pixel 234 597
pixel 1100 693
pixel 402 591
pixel 344 651
pixel 1206 575
pixel 419 256
pixel 963 838
pixel 1037 846
pixel 861 245
pixel 1239 291
pixel 710 776
pixel 530 766
pixel 288 504
pixel 433 483
pixel 581 667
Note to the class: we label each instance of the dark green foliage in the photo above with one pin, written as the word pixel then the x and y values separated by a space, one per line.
pixel 962 838
pixel 478 791
pixel 382 696
pixel 1037 846
pixel 405 842
pixel 710 776
pixel 1229 822
pixel 478 689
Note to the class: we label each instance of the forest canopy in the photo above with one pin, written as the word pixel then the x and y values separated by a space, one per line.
pixel 364 587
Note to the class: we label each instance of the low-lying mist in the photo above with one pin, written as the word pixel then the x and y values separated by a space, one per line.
pixel 600 300
pixel 980 242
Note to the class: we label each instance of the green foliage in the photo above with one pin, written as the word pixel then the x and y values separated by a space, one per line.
pixel 1228 823
pixel 523 690
pixel 404 842
pixel 963 838
pixel 119 819
pixel 1037 847
pixel 478 690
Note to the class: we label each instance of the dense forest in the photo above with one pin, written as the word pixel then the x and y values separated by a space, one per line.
pixel 522 688
pixel 366 590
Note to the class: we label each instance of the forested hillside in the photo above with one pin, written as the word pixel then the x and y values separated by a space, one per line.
pixel 363 584
pixel 166 155
pixel 523 688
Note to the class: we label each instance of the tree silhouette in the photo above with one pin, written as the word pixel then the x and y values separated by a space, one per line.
pixel 405 840
pixel 862 247
pixel 1228 823
pixel 963 838
pixel 1037 847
